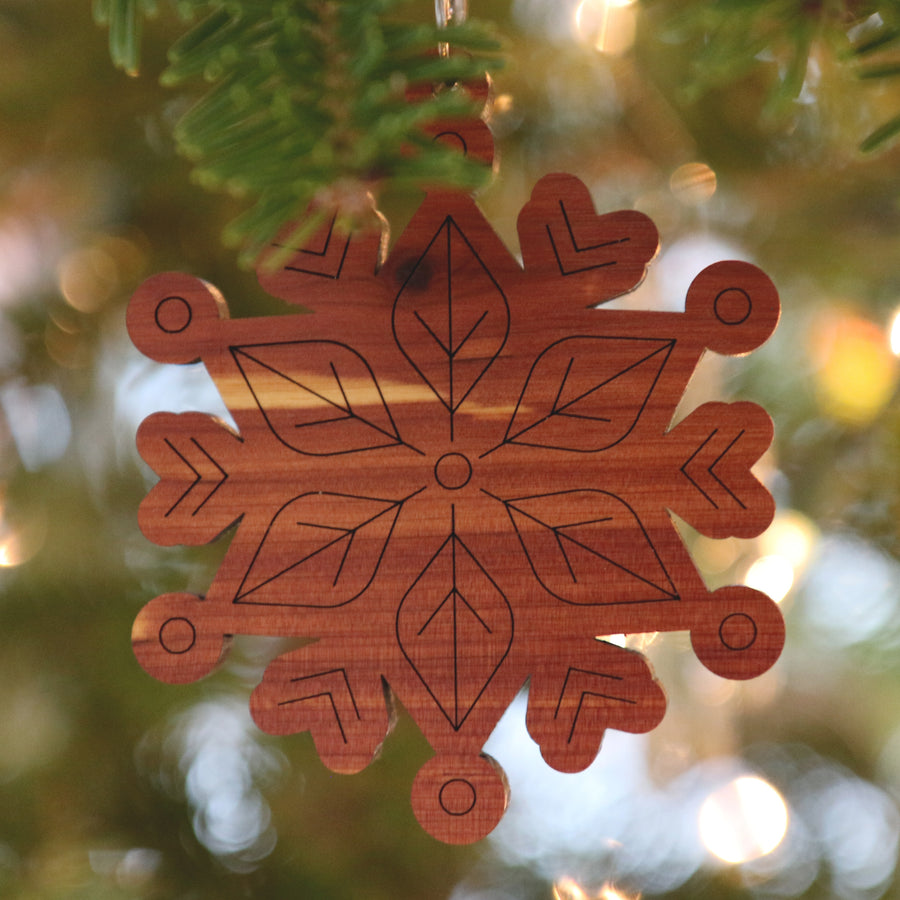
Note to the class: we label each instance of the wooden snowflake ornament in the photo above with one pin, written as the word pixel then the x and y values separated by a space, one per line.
pixel 454 474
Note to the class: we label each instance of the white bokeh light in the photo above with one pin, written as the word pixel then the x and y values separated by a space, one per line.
pixel 773 575
pixel 743 820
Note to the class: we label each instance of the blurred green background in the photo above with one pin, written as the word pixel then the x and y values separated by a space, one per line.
pixel 115 786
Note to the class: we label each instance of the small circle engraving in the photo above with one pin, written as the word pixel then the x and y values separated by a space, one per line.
pixel 173 315
pixel 732 306
pixel 453 471
pixel 457 797
pixel 453 139
pixel 177 635
pixel 738 631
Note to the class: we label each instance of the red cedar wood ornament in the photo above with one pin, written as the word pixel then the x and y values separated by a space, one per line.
pixel 453 475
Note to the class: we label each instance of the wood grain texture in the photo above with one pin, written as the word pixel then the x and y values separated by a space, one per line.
pixel 454 474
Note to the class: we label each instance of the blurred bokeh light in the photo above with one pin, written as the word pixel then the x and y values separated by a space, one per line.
pixel 743 820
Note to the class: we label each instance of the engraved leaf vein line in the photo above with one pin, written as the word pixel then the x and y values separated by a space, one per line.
pixel 594 694
pixel 341 672
pixel 334 708
pixel 346 408
pixel 565 215
pixel 711 469
pixel 392 506
pixel 561 410
pixel 718 459
pixel 575 669
pixel 198 477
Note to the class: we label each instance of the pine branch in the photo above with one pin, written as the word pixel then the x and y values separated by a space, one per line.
pixel 734 38
pixel 307 95
pixel 125 19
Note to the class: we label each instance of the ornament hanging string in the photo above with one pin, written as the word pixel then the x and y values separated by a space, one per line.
pixel 449 12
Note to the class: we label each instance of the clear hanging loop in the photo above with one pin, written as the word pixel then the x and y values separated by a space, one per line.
pixel 449 12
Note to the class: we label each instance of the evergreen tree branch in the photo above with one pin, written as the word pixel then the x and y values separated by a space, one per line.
pixel 732 39
pixel 308 94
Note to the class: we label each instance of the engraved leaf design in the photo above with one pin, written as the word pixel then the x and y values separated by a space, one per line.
pixel 451 318
pixel 318 397
pixel 588 547
pixel 455 628
pixel 321 549
pixel 587 393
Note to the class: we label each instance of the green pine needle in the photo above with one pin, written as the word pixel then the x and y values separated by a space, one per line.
pixel 881 136
pixel 885 37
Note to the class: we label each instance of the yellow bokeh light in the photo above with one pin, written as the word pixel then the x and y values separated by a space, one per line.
pixel 503 103
pixel 743 820
pixel 11 551
pixel 786 548
pixel 88 278
pixel 895 334
pixel 857 371
pixel 693 183
pixel 773 575
pixel 91 276
pixel 568 889
pixel 607 25
pixel 608 892
pixel 715 556
pixel 793 536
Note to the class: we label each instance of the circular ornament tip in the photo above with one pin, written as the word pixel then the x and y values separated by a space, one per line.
pixel 736 304
pixel 740 633
pixel 460 799
pixel 170 642
pixel 170 315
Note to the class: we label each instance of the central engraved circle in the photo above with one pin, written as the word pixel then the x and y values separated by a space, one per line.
pixel 453 471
